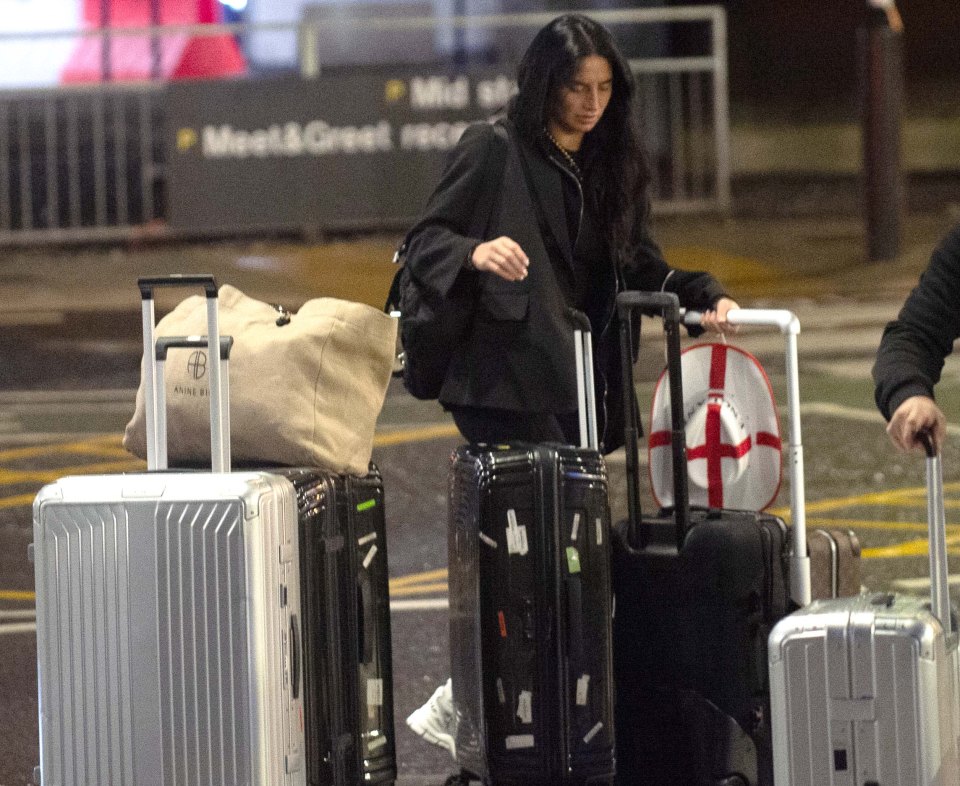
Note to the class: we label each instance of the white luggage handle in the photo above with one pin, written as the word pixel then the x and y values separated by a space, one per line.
pixel 789 325
pixel 937 520
pixel 586 393
pixel 155 421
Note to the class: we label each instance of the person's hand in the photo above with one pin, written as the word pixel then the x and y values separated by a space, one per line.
pixel 715 320
pixel 503 257
pixel 916 414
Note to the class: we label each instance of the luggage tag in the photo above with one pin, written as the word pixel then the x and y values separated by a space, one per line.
pixel 583 689
pixel 575 529
pixel 374 692
pixel 593 732
pixel 516 535
pixel 519 741
pixel 525 706
pixel 488 540
pixel 372 552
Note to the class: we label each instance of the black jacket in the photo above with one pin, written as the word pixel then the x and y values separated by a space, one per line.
pixel 914 346
pixel 519 352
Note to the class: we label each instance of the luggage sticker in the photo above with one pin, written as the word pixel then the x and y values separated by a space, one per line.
pixel 573 559
pixel 583 687
pixel 599 526
pixel 516 535
pixel 593 732
pixel 488 540
pixel 366 538
pixel 503 624
pixel 576 526
pixel 366 505
pixel 515 741
pixel 375 692
pixel 501 693
pixel 370 555
pixel 525 706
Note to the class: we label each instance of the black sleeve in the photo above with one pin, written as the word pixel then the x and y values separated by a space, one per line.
pixel 646 270
pixel 913 347
pixel 442 240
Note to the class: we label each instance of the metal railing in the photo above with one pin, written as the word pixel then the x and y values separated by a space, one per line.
pixel 80 163
pixel 683 101
pixel 86 163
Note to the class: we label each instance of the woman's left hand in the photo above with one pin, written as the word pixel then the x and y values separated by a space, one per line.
pixel 715 320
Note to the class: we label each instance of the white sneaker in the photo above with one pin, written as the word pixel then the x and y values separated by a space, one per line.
pixel 436 721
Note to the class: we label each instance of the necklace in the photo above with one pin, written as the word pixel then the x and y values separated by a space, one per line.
pixel 566 154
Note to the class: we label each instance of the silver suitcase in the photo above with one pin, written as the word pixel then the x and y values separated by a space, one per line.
pixel 864 690
pixel 168 615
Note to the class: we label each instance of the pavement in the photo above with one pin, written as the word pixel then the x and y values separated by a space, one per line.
pixel 811 263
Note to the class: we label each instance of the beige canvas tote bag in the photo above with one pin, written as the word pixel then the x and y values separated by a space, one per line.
pixel 305 388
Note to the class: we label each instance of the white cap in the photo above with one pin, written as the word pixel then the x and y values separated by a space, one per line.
pixel 732 431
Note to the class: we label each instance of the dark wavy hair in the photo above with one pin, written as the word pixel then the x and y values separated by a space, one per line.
pixel 613 158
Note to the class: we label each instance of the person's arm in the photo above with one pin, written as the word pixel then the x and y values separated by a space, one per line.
pixel 913 348
pixel 443 245
pixel 647 270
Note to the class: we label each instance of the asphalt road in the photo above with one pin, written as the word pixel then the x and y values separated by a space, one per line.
pixel 67 390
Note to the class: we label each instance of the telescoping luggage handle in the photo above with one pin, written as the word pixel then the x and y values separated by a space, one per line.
pixel 586 392
pixel 789 326
pixel 155 420
pixel 937 521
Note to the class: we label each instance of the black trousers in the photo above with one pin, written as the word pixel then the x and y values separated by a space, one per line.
pixel 500 426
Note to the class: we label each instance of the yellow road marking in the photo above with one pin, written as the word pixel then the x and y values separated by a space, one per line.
pixel 855 524
pixel 425 583
pixel 16 501
pixel 10 477
pixel 415 435
pixel 417 578
pixel 17 595
pixel 847 523
pixel 904 496
pixel 421 589
pixel 109 445
pixel 911 548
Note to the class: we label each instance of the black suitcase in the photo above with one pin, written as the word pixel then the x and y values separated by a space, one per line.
pixel 697 592
pixel 346 650
pixel 530 614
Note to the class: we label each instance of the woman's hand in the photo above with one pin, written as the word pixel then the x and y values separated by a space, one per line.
pixel 715 320
pixel 503 257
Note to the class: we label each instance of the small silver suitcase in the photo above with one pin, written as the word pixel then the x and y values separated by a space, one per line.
pixel 168 615
pixel 864 690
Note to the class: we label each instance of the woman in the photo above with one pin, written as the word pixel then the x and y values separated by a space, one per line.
pixel 566 232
